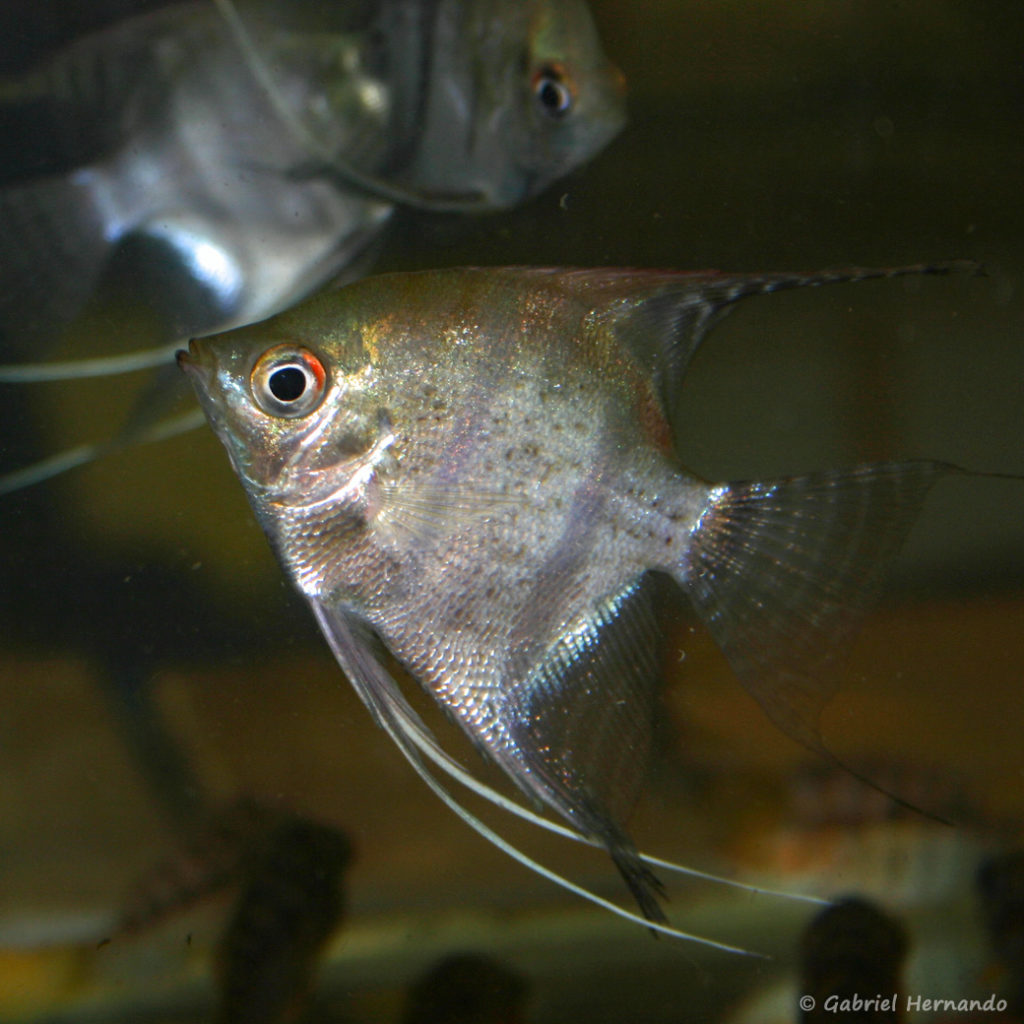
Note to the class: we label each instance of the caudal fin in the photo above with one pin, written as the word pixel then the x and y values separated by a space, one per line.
pixel 782 571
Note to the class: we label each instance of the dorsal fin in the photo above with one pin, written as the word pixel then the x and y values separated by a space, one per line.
pixel 662 317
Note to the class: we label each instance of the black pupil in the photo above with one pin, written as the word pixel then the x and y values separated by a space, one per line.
pixel 287 384
pixel 551 94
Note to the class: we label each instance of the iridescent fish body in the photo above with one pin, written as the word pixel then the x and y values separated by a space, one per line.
pixel 475 469
pixel 236 158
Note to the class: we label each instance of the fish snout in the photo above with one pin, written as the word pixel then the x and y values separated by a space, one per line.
pixel 189 359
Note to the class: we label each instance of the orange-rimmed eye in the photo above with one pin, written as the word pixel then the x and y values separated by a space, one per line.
pixel 551 91
pixel 288 381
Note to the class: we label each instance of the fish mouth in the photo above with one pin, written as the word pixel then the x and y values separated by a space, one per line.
pixel 188 359
pixel 195 361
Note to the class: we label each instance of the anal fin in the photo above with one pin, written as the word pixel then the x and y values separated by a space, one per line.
pixel 584 721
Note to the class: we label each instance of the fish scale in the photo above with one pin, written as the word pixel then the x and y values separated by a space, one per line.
pixel 521 592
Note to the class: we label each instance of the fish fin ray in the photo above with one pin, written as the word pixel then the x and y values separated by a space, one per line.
pixel 427 512
pixel 352 642
pixel 96 366
pixel 81 455
pixel 663 316
pixel 586 717
pixel 429 746
pixel 347 638
pixel 781 573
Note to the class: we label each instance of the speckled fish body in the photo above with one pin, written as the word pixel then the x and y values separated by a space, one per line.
pixel 476 468
pixel 233 181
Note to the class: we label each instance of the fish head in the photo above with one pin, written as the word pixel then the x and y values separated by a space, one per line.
pixel 523 95
pixel 296 405
pixel 576 98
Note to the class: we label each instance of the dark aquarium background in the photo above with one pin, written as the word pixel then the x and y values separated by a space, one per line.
pixel 155 668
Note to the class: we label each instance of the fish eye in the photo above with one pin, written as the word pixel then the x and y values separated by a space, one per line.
pixel 288 381
pixel 552 92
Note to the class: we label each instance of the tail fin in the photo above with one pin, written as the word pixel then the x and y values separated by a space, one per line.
pixel 781 573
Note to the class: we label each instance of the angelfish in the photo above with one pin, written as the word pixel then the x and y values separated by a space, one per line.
pixel 230 157
pixel 474 469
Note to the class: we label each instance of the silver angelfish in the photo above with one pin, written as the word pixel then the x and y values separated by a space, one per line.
pixel 474 468
pixel 239 157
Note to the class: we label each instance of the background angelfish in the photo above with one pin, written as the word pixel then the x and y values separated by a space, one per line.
pixel 475 468
pixel 234 159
